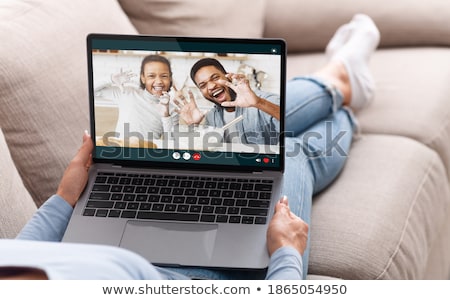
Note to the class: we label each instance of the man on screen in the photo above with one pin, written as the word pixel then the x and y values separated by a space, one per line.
pixel 233 97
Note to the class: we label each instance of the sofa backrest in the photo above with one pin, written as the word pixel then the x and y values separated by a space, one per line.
pixel 216 18
pixel 308 25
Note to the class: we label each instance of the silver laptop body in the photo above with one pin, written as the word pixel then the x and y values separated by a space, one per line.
pixel 146 198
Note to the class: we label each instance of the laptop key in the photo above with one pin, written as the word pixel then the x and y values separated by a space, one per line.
pixel 114 213
pixel 229 202
pixel 190 192
pixel 113 180
pixel 170 207
pixel 247 186
pixel 202 192
pixel 191 200
pixel 222 219
pixel 145 206
pixel 125 180
pixel 100 204
pixel 220 210
pixel 195 208
pixel 241 202
pixel 214 193
pixel 264 195
pixel 129 197
pixel 158 207
pixel 247 220
pixel 173 183
pixel 128 189
pixel 179 199
pixel 101 179
pixel 252 195
pixel 149 181
pixel 153 190
pixel 166 199
pixel 133 206
pixel 203 201
pixel 260 220
pixel 89 212
pixel 129 214
pixel 186 184
pixel 101 213
pixel 141 198
pixel 166 191
pixel 263 187
pixel 116 188
pixel 183 208
pixel 227 194
pixel 208 209
pixel 161 182
pixel 99 196
pixel 259 203
pixel 141 190
pixel 207 218
pixel 234 219
pixel 233 210
pixel 254 212
pixel 101 188
pixel 137 181
pixel 116 196
pixel 154 198
pixel 120 205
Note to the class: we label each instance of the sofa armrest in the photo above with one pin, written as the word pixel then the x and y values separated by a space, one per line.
pixel 16 204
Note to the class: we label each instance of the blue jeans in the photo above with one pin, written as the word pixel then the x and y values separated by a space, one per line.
pixel 319 134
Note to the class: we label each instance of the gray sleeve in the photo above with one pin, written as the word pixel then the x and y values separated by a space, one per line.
pixel 49 222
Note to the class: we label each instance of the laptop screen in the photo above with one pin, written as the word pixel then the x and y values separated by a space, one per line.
pixel 200 102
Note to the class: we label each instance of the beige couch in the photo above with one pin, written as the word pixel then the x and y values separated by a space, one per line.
pixel 386 216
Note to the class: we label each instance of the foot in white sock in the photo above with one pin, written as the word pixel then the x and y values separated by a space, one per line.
pixel 339 38
pixel 353 45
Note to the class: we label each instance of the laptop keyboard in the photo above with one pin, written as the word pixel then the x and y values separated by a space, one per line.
pixel 180 198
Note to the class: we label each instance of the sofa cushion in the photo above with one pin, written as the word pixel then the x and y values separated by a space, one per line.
pixel 217 18
pixel 379 219
pixel 16 204
pixel 43 82
pixel 308 25
pixel 411 97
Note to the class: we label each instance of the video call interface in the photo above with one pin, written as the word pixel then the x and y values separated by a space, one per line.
pixel 183 101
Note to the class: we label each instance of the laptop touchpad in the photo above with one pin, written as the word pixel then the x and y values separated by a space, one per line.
pixel 170 243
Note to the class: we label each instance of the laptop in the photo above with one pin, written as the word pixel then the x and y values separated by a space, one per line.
pixel 186 195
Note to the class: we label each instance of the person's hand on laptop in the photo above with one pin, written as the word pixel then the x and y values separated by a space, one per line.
pixel 286 229
pixel 76 174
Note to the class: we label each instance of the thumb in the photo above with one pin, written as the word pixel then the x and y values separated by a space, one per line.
pixel 282 206
pixel 86 148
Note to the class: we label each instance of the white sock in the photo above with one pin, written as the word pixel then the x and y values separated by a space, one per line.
pixel 353 45
pixel 339 38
